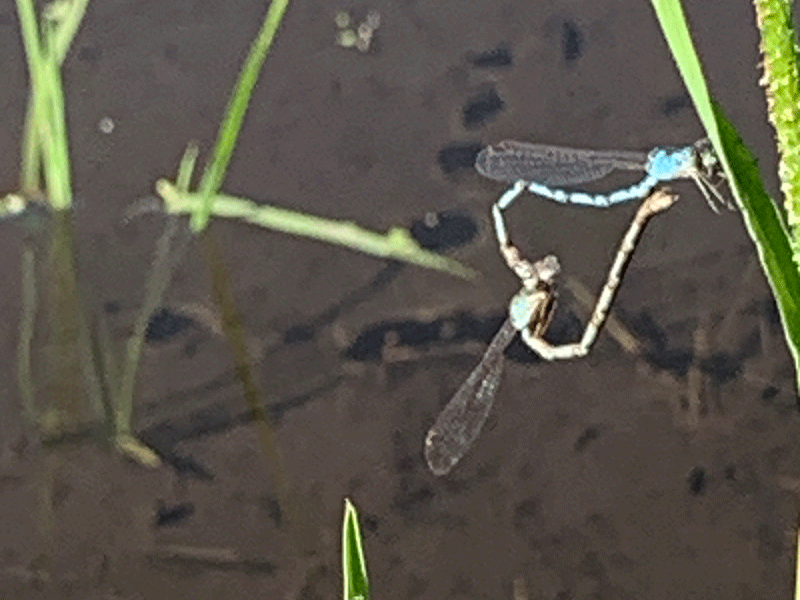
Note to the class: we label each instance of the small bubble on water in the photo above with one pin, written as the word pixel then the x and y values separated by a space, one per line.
pixel 106 125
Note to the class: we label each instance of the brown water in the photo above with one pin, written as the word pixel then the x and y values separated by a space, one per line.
pixel 591 478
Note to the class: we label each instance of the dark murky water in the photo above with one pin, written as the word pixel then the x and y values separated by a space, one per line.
pixel 613 477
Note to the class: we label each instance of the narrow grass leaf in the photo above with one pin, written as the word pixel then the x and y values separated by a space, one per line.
pixel 354 565
pixel 234 113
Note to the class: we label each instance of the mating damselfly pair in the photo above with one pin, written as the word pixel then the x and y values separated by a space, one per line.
pixel 542 170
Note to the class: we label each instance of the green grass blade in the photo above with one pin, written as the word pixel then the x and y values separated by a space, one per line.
pixel 764 222
pixel 354 565
pixel 37 112
pixel 396 244
pixel 54 138
pixel 234 113
pixel 31 161
pixel 67 19
pixel 49 122
pixel 676 31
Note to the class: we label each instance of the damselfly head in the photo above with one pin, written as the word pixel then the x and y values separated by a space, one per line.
pixel 707 157
pixel 547 270
pixel 707 174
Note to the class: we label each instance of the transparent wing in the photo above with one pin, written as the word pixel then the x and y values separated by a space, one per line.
pixel 462 419
pixel 511 161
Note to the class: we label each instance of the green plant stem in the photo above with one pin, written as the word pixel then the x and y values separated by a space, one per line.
pixel 779 49
pixel 396 244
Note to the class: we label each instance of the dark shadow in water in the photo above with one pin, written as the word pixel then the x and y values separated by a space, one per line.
pixel 454 330
pixel 481 107
pixel 458 156
pixel 303 332
pixel 696 481
pixel 444 230
pixel 421 335
pixel 500 56
pixel 571 42
pixel 166 323
pixel 673 105
pixel 173 514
